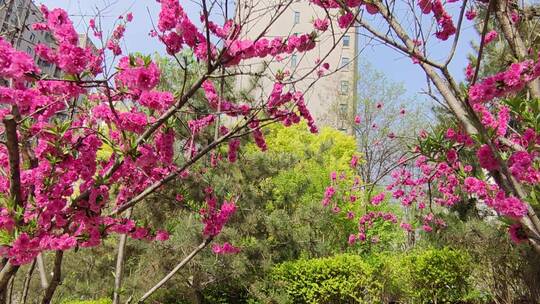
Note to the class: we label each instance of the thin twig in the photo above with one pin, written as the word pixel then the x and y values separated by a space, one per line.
pixel 175 270
pixel 482 42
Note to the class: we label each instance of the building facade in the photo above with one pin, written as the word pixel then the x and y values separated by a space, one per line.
pixel 330 98
pixel 16 19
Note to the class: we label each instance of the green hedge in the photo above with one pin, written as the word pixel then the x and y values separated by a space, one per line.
pixel 428 276
pixel 440 275
pixel 339 279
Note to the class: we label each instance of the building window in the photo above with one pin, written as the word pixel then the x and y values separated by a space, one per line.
pixel 294 61
pixel 32 37
pixel 296 17
pixel 346 40
pixel 344 87
pixel 29 50
pixel 343 110
pixel 345 63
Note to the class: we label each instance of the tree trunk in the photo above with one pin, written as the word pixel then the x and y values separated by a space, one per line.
pixel 120 264
pixel 56 278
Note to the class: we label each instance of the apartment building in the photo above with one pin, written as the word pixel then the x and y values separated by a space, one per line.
pixel 331 98
pixel 16 19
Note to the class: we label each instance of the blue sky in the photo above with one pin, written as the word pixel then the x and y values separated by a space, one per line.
pixel 396 66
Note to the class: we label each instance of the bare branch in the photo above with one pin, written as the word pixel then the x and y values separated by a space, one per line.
pixel 175 270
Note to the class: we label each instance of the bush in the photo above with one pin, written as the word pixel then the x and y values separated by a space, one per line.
pixel 422 276
pixel 440 275
pixel 392 274
pixel 339 279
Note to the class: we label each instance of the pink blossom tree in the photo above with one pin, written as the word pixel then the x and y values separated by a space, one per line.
pixel 499 130
pixel 82 150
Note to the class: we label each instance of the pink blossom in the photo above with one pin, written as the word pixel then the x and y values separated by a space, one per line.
pixel 377 199
pixel 508 206
pixel 321 24
pixel 140 76
pixel 234 145
pixel 156 100
pixel 406 226
pixel 469 72
pixel 514 15
pixel 517 233
pixel 226 248
pixel 352 239
pixel 15 64
pixel 162 235
pixel 345 20
pixel 6 221
pixel 486 158
pixel 522 167
pixel 470 14
pixel 490 36
pixel 354 161
pixel 504 83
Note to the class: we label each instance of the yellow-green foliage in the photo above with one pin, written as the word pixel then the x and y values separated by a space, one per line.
pixel 337 146
pixel 311 157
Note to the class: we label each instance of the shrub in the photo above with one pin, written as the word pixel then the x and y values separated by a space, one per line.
pixel 393 276
pixel 440 275
pixel 338 279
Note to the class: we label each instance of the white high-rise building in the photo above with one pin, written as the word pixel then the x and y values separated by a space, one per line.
pixel 331 98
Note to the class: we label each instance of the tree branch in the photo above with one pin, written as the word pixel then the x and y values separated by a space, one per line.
pixel 175 270
pixel 14 160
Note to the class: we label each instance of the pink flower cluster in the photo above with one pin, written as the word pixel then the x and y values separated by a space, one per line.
pixel 238 50
pixel 276 107
pixel 521 165
pixel 367 221
pixel 155 100
pixel 226 248
pixel 137 75
pixel 509 206
pixel 444 20
pixel 258 135
pixel 234 145
pixel 321 24
pixel 177 29
pixel 214 219
pixel 377 199
pixel 68 56
pixel 517 234
pixel 14 64
pixel 486 158
pixel 490 36
pixel 512 80
pixel 197 125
